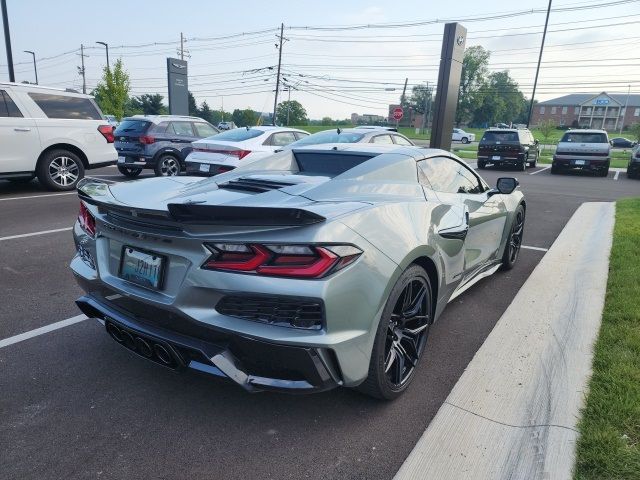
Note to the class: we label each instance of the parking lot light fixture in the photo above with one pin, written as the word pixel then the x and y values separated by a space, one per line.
pixel 35 69
pixel 106 46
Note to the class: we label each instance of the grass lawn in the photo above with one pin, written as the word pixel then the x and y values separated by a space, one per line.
pixel 609 443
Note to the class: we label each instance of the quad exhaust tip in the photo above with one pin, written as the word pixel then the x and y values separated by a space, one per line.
pixel 143 347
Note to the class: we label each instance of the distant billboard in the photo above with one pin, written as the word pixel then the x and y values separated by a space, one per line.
pixel 178 86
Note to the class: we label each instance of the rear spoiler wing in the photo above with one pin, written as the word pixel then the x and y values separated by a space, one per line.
pixel 97 192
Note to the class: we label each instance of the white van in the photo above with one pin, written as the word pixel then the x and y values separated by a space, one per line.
pixel 53 134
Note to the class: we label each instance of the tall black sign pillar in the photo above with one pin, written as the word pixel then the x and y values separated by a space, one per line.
pixel 455 36
pixel 178 86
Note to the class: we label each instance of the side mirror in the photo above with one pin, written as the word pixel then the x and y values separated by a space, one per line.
pixel 506 185
pixel 536 141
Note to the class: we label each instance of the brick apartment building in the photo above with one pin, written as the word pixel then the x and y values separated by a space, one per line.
pixel 587 110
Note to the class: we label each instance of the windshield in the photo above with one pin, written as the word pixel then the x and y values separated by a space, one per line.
pixel 132 126
pixel 329 136
pixel 584 137
pixel 237 135
pixel 500 137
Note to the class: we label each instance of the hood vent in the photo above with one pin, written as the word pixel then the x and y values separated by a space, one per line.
pixel 254 185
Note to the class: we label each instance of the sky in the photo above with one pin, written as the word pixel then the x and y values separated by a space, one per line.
pixel 591 46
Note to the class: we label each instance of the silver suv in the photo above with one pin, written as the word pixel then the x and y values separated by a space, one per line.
pixel 583 150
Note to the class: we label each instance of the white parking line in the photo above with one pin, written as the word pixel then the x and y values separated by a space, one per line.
pixel 539 249
pixel 541 170
pixel 43 232
pixel 616 175
pixel 37 196
pixel 42 330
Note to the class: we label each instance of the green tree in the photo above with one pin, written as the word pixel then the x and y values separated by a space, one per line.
pixel 193 106
pixel 112 91
pixel 205 112
pixel 244 118
pixel 502 101
pixel 473 81
pixel 149 104
pixel 634 130
pixel 546 129
pixel 291 112
pixel 421 97
pixel 326 121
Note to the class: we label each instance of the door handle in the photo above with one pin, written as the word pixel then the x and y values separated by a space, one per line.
pixel 22 129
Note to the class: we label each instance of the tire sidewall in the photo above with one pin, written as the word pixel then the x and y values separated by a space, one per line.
pixel 386 389
pixel 507 264
pixel 42 170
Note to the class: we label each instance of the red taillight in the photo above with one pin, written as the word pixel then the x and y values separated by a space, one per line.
pixel 107 132
pixel 235 153
pixel 299 261
pixel 87 221
pixel 146 139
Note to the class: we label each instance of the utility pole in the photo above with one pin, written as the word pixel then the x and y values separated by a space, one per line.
pixel 275 101
pixel 222 108
pixel 106 46
pixel 35 69
pixel 181 46
pixel 7 40
pixel 81 70
pixel 402 99
pixel 535 82
pixel 626 104
pixel 427 105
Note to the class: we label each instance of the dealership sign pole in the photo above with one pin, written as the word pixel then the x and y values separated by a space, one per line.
pixel 7 40
pixel 446 102
pixel 178 86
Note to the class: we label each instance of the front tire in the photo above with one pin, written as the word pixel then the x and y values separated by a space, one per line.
pixel 129 171
pixel 60 170
pixel 401 336
pixel 167 166
pixel 514 241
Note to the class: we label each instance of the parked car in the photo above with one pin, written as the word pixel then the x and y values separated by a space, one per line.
pixel 633 168
pixel 376 127
pixel 502 125
pixel 354 135
pixel 227 150
pixel 159 142
pixel 460 135
pixel 508 146
pixel 621 142
pixel 226 126
pixel 113 121
pixel 300 272
pixel 53 134
pixel 583 150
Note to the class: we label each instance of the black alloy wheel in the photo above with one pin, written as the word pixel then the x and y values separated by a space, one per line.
pixel 407 332
pixel 401 335
pixel 514 242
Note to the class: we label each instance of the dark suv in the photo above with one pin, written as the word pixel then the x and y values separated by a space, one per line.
pixel 508 146
pixel 161 142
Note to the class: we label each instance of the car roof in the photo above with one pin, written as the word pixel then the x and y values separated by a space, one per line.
pixel 418 153
pixel 272 128
pixel 31 86
pixel 163 118
pixel 586 130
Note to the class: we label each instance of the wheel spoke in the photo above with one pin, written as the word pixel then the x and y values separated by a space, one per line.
pixel 399 368
pixel 390 359
pixel 411 351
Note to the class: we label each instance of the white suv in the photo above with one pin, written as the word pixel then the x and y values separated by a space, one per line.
pixel 53 134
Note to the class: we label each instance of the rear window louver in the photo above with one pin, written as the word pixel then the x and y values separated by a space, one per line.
pixel 254 185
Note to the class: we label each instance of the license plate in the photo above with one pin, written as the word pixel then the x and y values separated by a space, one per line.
pixel 121 159
pixel 495 157
pixel 204 167
pixel 143 268
pixel 580 162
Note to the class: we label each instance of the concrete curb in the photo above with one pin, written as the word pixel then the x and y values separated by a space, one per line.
pixel 513 412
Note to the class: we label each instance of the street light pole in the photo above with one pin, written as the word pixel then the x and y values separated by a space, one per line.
pixel 35 69
pixel 7 40
pixel 106 46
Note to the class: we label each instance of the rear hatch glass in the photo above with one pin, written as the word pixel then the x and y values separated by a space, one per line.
pixel 236 135
pixel 494 137
pixel 330 136
pixel 132 128
pixel 584 137
pixel 328 164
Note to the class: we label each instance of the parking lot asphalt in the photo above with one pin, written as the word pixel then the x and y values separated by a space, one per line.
pixel 76 405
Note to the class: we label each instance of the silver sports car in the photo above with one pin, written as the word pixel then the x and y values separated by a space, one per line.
pixel 309 269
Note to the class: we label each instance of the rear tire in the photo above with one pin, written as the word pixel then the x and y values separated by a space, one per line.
pixel 129 171
pixel 604 172
pixel 465 140
pixel 167 166
pixel 401 336
pixel 514 241
pixel 60 170
pixel 481 165
pixel 554 170
pixel 523 166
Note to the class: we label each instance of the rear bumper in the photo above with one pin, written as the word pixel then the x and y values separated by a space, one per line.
pixel 501 159
pixel 135 160
pixel 634 168
pixel 580 163
pixel 252 364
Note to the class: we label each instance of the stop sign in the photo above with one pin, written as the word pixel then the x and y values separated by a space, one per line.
pixel 398 113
